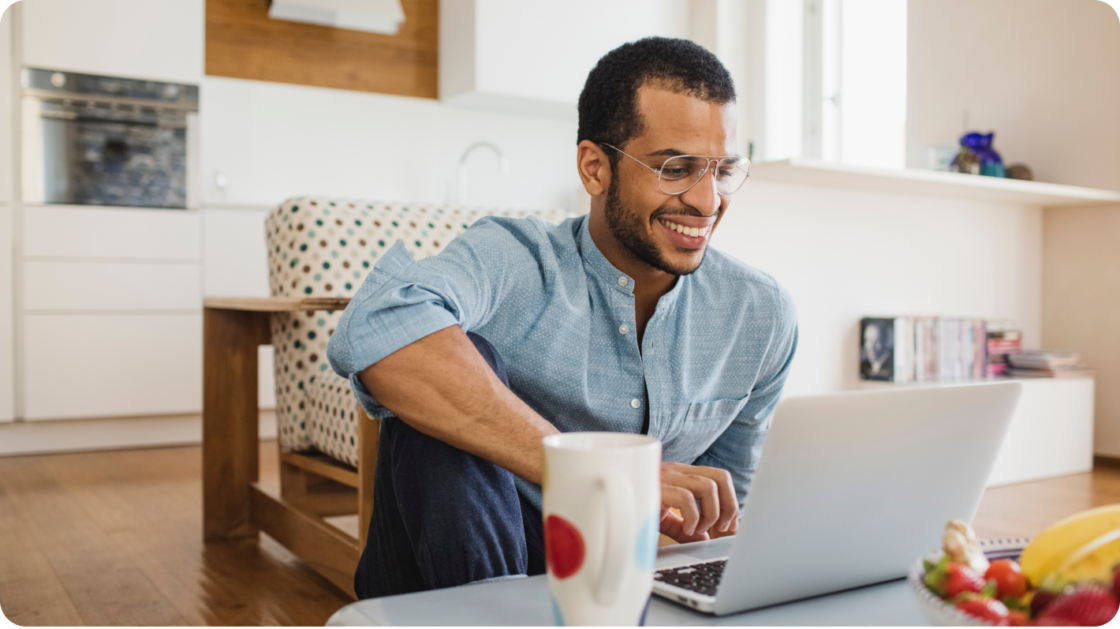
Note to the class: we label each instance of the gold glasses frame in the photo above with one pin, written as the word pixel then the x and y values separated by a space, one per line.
pixel 735 162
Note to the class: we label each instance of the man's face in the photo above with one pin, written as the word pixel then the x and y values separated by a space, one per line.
pixel 645 220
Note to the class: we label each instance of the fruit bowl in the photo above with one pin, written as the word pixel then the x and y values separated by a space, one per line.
pixel 942 614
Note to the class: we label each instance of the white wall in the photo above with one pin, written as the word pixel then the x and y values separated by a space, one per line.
pixel 7 336
pixel 1043 74
pixel 845 254
pixel 1081 286
pixel 235 263
pixel 6 122
pixel 273 141
pixel 154 39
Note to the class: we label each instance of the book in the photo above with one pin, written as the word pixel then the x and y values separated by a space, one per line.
pixel 1049 373
pixel 1003 340
pixel 925 345
pixel 1037 359
pixel 877 348
pixel 923 349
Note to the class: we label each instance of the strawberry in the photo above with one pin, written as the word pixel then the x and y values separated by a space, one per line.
pixel 1018 619
pixel 1008 576
pixel 1041 599
pixel 1056 622
pixel 987 609
pixel 1088 606
pixel 962 579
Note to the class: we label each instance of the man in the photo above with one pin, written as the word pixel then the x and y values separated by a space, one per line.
pixel 621 320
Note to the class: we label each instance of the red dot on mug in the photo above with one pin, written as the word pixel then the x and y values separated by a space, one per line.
pixel 563 547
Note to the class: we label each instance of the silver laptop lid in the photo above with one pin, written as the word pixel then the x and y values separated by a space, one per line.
pixel 851 488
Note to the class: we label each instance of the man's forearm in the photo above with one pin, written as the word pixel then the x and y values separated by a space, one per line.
pixel 441 386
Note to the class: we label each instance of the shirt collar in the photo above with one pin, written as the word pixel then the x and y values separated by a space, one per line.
pixel 598 264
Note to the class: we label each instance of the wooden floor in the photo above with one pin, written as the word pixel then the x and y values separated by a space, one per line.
pixel 115 538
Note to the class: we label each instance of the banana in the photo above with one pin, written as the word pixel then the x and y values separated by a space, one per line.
pixel 1093 561
pixel 1057 548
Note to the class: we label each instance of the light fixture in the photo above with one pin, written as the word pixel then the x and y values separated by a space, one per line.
pixel 374 16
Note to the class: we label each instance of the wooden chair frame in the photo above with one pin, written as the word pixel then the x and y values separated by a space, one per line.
pixel 312 486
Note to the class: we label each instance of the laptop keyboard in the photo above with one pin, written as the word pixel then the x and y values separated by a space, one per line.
pixel 702 578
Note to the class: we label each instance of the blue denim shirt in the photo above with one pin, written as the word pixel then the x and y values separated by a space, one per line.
pixel 714 356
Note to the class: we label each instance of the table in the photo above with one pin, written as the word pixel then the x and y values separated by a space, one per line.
pixel 526 602
pixel 233 505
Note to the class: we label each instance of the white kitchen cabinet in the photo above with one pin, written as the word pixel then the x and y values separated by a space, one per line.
pixel 111 365
pixel 161 40
pixel 535 56
pixel 90 286
pixel 94 232
pixel 111 307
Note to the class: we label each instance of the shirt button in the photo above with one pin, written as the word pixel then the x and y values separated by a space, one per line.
pixel 623 329
pixel 622 281
pixel 635 403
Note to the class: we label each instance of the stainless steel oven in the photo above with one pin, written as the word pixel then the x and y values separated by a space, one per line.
pixel 98 140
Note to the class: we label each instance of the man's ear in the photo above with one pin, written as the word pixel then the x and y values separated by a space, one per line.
pixel 594 168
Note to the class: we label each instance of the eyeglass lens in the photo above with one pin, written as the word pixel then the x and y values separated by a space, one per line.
pixel 680 173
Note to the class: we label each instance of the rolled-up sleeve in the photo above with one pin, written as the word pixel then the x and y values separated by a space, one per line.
pixel 739 448
pixel 403 300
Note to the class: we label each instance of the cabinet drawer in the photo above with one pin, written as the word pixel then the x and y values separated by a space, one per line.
pixel 111 286
pixel 112 365
pixel 83 232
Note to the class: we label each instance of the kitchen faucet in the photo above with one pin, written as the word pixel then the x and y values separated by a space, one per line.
pixel 461 170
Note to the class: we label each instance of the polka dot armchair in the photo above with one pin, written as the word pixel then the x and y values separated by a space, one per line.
pixel 320 247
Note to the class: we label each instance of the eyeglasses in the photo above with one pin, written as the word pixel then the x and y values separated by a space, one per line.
pixel 679 173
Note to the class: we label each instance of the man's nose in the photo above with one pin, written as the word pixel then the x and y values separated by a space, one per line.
pixel 704 196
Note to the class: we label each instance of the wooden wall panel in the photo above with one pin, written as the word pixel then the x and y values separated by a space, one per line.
pixel 243 42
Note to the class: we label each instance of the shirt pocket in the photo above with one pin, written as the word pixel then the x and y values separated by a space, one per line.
pixel 703 423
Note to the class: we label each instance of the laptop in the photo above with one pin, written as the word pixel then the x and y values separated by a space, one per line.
pixel 850 489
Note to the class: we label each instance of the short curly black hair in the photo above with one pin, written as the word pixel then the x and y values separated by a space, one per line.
pixel 608 104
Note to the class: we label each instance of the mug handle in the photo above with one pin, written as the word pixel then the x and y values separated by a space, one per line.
pixel 620 502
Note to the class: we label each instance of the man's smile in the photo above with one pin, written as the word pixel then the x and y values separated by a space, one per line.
pixel 686 232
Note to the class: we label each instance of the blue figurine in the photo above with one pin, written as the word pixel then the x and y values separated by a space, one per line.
pixel 977 157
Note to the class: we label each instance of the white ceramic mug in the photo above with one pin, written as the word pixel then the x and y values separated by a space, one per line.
pixel 602 511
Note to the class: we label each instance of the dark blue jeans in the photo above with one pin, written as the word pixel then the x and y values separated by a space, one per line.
pixel 443 517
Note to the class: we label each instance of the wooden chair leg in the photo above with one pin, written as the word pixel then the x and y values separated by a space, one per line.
pixel 369 436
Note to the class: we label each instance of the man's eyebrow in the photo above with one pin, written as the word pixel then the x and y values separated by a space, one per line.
pixel 674 152
pixel 666 153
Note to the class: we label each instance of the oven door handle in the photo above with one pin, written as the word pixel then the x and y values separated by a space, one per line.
pixel 59 115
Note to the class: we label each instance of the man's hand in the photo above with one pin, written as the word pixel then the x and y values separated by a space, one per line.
pixel 704 496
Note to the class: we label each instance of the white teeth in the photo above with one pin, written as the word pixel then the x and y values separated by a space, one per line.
pixel 695 232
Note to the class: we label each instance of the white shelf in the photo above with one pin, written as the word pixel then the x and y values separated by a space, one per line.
pixel 929 183
pixel 1051 432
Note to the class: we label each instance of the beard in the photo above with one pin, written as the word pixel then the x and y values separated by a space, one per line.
pixel 628 229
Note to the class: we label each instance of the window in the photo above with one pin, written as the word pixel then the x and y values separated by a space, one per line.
pixel 834 81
